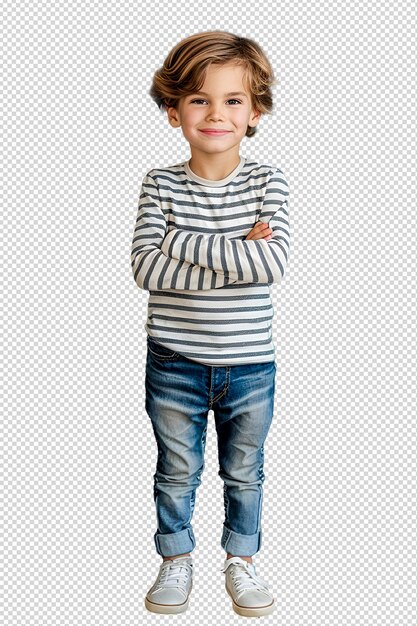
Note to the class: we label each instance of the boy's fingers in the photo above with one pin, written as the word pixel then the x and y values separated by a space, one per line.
pixel 259 227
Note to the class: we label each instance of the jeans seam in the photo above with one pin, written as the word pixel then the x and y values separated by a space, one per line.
pixel 225 388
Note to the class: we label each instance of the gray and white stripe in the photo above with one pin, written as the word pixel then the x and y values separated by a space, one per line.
pixel 209 287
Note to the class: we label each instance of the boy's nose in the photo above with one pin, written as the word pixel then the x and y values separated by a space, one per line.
pixel 215 114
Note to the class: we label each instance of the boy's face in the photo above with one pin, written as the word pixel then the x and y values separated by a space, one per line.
pixel 216 109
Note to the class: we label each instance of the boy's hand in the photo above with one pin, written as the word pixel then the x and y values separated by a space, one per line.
pixel 260 231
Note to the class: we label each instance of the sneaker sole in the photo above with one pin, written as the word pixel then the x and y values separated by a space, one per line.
pixel 154 607
pixel 257 611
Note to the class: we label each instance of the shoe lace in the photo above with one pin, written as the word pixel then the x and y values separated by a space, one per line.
pixel 246 579
pixel 173 574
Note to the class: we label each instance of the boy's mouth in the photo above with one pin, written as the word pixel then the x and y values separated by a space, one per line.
pixel 210 131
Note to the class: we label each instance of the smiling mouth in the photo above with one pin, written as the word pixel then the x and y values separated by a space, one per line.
pixel 214 132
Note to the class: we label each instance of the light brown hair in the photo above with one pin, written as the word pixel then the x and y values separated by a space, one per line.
pixel 184 69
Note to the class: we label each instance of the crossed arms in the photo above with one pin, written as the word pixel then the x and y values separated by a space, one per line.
pixel 184 259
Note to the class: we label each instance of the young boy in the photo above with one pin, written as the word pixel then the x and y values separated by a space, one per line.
pixel 212 233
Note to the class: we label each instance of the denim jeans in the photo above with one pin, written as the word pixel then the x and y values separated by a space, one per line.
pixel 179 395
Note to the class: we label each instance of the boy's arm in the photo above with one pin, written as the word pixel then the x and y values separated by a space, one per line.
pixel 251 261
pixel 152 268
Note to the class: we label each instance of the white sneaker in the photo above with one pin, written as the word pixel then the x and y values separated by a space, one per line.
pixel 171 590
pixel 250 594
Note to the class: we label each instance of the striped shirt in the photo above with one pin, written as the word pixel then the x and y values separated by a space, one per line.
pixel 209 296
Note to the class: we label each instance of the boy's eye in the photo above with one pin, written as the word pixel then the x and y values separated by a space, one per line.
pixel 202 100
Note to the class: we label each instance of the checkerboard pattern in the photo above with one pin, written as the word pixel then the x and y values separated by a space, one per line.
pixel 77 453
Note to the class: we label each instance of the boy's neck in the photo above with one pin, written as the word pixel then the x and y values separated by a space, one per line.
pixel 214 166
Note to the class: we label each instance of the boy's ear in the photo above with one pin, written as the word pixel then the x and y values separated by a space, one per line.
pixel 255 117
pixel 173 117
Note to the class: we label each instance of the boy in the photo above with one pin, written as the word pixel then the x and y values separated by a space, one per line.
pixel 211 235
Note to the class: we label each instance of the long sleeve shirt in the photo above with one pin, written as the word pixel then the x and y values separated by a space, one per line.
pixel 209 295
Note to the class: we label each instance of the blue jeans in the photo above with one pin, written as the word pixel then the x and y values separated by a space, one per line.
pixel 179 395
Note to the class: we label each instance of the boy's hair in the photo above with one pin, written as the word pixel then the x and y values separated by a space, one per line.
pixel 184 69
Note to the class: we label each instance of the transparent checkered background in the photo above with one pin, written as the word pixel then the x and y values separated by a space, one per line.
pixel 77 453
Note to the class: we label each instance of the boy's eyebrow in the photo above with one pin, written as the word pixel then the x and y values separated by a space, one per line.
pixel 231 93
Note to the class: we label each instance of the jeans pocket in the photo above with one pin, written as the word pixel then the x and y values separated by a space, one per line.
pixel 160 352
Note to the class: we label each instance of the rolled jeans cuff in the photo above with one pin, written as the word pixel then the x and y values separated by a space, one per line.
pixel 241 545
pixel 172 544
